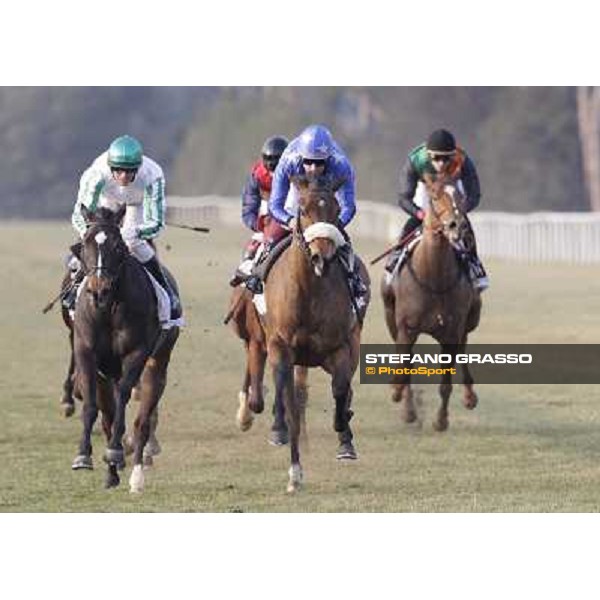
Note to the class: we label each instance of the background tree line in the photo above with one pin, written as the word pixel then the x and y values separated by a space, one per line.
pixel 534 146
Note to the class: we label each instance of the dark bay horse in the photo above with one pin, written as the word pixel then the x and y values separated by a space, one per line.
pixel 117 342
pixel 310 321
pixel 68 397
pixel 432 294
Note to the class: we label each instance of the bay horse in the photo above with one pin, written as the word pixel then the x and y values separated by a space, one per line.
pixel 432 294
pixel 70 393
pixel 117 341
pixel 310 321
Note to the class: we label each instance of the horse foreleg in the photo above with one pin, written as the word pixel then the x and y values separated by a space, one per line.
pixel 132 367
pixel 445 389
pixel 67 402
pixel 152 447
pixel 279 434
pixel 283 375
pixel 87 382
pixel 340 366
pixel 470 399
pixel 301 391
pixel 402 390
pixel 256 366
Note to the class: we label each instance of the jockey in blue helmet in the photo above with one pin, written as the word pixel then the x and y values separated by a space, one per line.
pixel 315 152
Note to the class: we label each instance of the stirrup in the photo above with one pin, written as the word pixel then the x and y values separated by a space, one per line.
pixel 254 284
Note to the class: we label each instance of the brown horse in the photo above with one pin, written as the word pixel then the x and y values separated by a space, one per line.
pixel 432 294
pixel 310 321
pixel 117 342
pixel 67 401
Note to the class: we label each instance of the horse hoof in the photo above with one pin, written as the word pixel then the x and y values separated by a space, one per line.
pixel 293 487
pixel 346 452
pixel 82 462
pixel 112 480
pixel 153 447
pixel 295 481
pixel 136 481
pixel 148 461
pixel 440 425
pixel 470 401
pixel 279 437
pixel 257 407
pixel 68 409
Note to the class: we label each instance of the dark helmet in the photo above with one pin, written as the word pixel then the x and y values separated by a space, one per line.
pixel 272 150
pixel 441 141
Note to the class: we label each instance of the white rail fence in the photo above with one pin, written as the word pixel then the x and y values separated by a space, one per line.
pixel 533 237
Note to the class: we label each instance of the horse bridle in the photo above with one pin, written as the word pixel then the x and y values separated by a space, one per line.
pixel 113 277
pixel 443 227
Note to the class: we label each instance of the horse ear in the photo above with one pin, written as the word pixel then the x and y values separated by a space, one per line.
pixel 300 181
pixel 76 250
pixel 120 214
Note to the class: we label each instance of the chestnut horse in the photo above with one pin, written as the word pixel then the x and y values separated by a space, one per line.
pixel 310 320
pixel 432 294
pixel 117 341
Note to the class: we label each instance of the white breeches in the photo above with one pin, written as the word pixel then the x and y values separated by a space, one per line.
pixel 134 217
pixel 141 249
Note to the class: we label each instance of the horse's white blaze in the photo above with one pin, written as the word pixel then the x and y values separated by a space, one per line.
pixel 136 481
pixel 295 481
pixel 100 238
pixel 244 415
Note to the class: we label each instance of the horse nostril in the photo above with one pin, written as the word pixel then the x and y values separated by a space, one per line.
pixel 452 225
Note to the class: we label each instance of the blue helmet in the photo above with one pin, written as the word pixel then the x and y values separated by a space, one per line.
pixel 315 143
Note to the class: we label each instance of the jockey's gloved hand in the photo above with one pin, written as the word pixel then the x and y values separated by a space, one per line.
pixel 420 214
pixel 291 224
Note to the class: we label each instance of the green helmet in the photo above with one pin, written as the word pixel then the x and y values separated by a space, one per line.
pixel 125 152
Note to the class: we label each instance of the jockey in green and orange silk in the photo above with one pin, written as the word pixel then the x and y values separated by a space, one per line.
pixel 440 155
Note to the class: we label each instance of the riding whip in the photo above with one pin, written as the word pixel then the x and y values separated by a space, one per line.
pixel 190 227
pixel 397 245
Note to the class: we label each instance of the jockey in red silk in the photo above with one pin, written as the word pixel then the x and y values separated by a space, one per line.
pixel 255 197
pixel 439 155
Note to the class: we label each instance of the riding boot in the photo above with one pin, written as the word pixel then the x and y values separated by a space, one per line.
pixel 477 272
pixel 253 281
pixel 245 267
pixel 473 266
pixel 411 225
pixel 76 275
pixel 357 287
pixel 155 269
